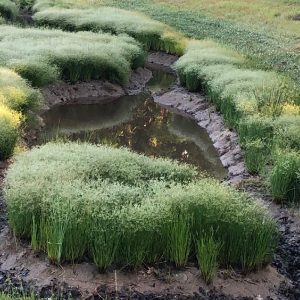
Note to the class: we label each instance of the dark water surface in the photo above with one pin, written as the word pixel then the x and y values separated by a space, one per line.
pixel 139 124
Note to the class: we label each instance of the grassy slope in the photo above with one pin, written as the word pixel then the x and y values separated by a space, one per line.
pixel 266 49
pixel 272 14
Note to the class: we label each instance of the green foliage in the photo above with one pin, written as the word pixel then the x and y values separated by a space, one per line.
pixel 8 138
pixel 152 34
pixel 287 132
pixel 236 92
pixel 15 296
pixel 42 56
pixel 17 99
pixel 253 102
pixel 256 127
pixel 180 236
pixel 207 254
pixel 8 9
pixel 122 208
pixel 285 176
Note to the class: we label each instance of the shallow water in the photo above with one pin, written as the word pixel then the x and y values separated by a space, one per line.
pixel 139 124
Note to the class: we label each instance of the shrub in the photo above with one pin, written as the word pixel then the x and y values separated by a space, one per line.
pixel 71 198
pixel 285 176
pixel 9 123
pixel 152 34
pixel 16 93
pixel 8 9
pixel 42 56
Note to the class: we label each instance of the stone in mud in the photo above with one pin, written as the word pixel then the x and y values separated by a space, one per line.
pixel 237 169
pixel 138 81
pixel 227 159
pixel 163 59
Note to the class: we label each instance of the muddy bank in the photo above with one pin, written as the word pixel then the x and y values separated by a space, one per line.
pixel 18 261
pixel 225 141
pixel 198 107
pixel 95 91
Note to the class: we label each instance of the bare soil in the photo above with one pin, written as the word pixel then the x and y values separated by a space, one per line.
pixel 22 262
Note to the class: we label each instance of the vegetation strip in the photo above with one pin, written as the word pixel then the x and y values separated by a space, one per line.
pixel 152 34
pixel 259 104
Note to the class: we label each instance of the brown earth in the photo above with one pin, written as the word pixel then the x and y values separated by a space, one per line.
pixel 159 280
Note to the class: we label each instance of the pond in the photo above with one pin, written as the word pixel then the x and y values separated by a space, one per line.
pixel 140 124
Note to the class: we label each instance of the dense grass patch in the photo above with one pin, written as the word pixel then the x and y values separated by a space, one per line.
pixel 8 10
pixel 152 34
pixel 43 56
pixel 122 208
pixel 259 104
pixel 285 175
pixel 17 99
pixel 236 91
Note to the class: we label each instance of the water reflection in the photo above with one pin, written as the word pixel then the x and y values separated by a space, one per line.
pixel 140 124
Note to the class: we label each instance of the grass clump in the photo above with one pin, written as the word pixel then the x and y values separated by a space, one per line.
pixel 43 56
pixel 8 10
pixel 116 207
pixel 285 176
pixel 152 34
pixel 15 296
pixel 207 255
